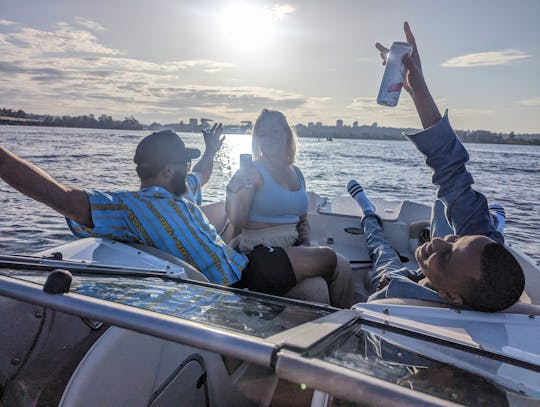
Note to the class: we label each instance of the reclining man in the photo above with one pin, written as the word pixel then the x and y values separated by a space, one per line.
pixel 165 214
pixel 471 267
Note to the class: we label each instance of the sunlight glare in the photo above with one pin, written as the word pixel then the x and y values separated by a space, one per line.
pixel 235 145
pixel 247 26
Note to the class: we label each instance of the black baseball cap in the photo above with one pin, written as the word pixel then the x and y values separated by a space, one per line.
pixel 163 147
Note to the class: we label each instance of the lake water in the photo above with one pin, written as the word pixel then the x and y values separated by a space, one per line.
pixel 102 159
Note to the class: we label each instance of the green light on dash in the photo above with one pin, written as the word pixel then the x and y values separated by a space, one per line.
pixel 303 386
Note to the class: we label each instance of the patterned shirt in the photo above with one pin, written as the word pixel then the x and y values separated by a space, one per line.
pixel 175 224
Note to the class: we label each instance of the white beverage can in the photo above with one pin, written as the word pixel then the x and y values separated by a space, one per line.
pixel 394 74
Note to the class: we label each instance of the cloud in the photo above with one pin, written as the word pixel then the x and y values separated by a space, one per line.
pixel 367 110
pixel 155 93
pixel 114 63
pixel 369 105
pixel 68 70
pixel 532 102
pixel 404 115
pixel 91 25
pixel 8 23
pixel 207 65
pixel 64 39
pixel 486 59
pixel 281 10
pixel 8 68
pixel 474 112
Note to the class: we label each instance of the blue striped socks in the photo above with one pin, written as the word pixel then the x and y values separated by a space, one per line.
pixel 357 192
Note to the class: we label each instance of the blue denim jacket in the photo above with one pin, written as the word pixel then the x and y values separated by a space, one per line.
pixel 466 211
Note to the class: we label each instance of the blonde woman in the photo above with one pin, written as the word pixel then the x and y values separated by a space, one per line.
pixel 268 202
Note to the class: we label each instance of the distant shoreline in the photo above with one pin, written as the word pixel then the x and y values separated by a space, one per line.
pixel 319 131
pixel 463 135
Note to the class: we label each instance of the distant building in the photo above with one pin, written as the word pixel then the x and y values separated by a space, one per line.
pixel 339 123
pixel 355 124
pixel 310 125
pixel 318 124
pixel 193 122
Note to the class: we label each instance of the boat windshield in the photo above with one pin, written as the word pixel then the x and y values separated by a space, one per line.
pixel 305 342
pixel 260 316
pixel 374 351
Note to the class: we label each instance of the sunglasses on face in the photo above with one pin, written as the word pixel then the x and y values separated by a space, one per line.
pixel 186 164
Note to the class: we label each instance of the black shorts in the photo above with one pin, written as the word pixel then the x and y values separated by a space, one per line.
pixel 268 271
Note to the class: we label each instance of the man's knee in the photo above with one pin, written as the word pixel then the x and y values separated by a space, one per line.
pixel 327 259
pixel 311 289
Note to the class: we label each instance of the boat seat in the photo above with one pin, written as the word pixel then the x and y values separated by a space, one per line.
pixel 517 308
pixel 414 302
pixel 312 289
pixel 126 368
pixel 523 308
pixel 192 272
pixel 215 212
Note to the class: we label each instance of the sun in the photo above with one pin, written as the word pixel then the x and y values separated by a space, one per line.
pixel 247 26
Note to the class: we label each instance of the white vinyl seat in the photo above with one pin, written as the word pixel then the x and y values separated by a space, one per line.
pixel 192 272
pixel 517 308
pixel 125 368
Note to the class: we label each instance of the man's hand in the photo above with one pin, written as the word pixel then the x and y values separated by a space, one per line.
pixel 414 82
pixel 212 139
pixel 213 142
pixel 414 79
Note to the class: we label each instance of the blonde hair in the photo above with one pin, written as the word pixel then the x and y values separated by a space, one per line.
pixel 279 118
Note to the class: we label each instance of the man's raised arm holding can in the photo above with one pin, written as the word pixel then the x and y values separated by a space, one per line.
pixel 470 267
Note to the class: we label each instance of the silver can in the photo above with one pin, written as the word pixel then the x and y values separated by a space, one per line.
pixel 394 74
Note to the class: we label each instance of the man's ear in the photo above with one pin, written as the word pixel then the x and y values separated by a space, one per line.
pixel 167 172
pixel 451 296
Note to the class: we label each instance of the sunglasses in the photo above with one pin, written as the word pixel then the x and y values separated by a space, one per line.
pixel 186 164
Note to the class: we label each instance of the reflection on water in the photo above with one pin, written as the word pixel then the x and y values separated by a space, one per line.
pixel 509 175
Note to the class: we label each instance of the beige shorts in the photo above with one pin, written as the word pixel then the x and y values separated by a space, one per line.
pixel 276 236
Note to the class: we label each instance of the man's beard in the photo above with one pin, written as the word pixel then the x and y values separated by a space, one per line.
pixel 179 183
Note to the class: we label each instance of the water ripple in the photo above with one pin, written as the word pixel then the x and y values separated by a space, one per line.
pixel 509 175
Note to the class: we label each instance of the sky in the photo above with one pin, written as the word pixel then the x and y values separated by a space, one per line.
pixel 169 60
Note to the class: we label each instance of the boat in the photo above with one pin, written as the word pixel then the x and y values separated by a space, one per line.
pixel 101 323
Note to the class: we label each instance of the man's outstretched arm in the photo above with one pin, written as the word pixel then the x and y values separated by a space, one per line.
pixel 466 209
pixel 25 177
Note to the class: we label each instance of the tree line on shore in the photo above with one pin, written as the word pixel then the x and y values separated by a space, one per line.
pixel 9 116
pixel 373 132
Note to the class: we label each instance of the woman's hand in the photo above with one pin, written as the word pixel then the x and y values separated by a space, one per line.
pixel 247 177
pixel 240 192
